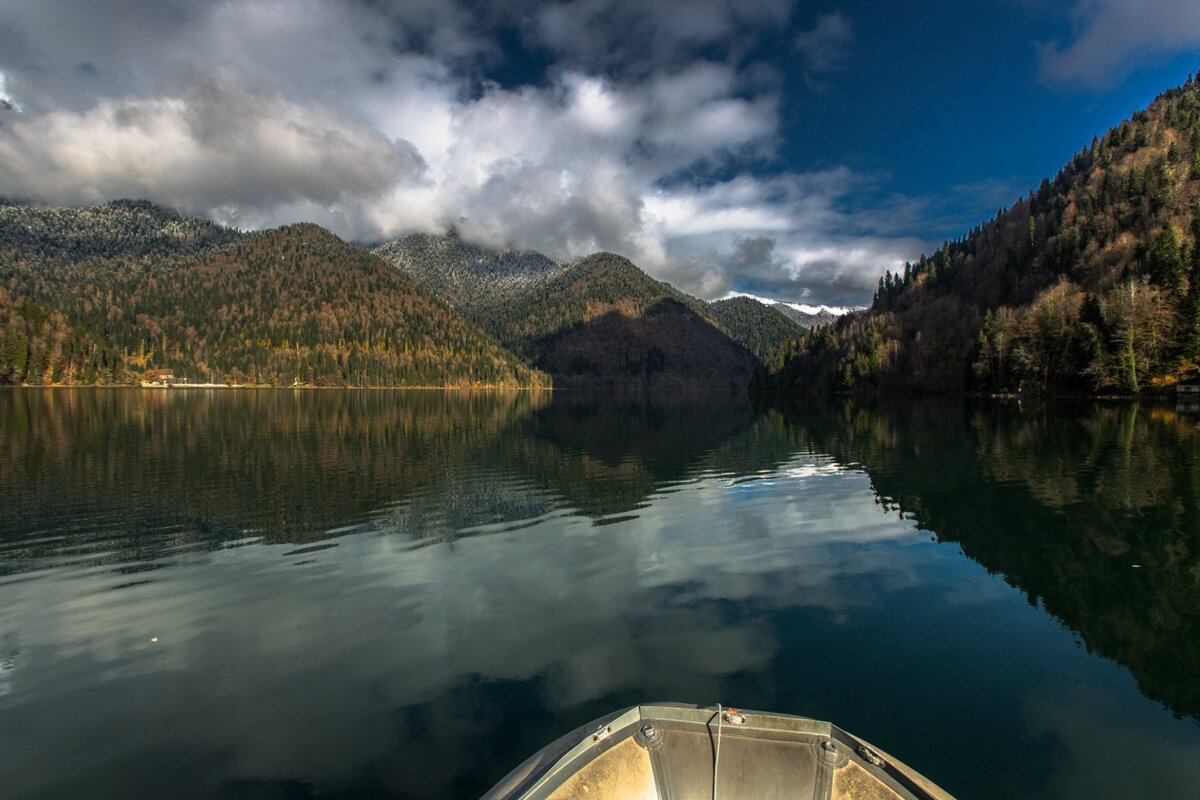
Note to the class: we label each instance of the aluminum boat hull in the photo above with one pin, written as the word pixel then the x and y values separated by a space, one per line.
pixel 676 751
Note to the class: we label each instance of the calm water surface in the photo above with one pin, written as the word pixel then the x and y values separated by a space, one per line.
pixel 363 594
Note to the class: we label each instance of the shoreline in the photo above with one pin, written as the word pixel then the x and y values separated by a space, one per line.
pixel 264 387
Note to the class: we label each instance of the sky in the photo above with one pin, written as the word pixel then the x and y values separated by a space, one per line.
pixel 790 150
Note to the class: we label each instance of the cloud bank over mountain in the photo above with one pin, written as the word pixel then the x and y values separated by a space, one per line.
pixel 653 129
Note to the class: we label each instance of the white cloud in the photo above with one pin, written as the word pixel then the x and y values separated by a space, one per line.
pixel 213 146
pixel 818 251
pixel 1113 37
pixel 741 204
pixel 401 626
pixel 373 120
pixel 7 103
pixel 572 168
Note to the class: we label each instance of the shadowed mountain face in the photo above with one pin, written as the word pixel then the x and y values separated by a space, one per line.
pixel 1091 511
pixel 668 347
pixel 602 322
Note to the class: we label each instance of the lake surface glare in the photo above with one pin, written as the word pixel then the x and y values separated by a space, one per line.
pixel 301 594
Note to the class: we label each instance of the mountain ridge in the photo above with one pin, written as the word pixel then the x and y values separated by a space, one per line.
pixel 805 314
pixel 110 293
pixel 467 276
pixel 529 303
pixel 287 305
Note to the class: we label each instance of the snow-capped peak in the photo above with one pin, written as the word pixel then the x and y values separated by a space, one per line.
pixel 803 308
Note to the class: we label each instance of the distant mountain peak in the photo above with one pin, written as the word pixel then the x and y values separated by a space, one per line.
pixel 472 279
pixel 146 206
pixel 456 254
pixel 803 308
pixel 806 315
pixel 132 229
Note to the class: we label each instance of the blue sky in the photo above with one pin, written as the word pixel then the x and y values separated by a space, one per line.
pixel 794 150
pixel 942 97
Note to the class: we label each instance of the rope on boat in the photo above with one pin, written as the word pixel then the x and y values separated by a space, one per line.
pixel 733 716
pixel 717 751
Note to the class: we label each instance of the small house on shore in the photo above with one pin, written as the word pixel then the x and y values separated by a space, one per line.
pixel 158 377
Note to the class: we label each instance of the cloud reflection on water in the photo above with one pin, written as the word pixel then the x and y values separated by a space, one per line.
pixel 476 609
pixel 253 648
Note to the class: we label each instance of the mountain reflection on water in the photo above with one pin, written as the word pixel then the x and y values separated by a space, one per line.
pixel 403 594
pixel 1092 511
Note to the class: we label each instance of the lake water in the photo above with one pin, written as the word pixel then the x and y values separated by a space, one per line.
pixel 294 594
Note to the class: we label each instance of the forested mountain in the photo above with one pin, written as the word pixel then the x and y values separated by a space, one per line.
pixel 601 321
pixel 1091 283
pixel 128 229
pixel 472 280
pixel 763 329
pixel 103 295
pixel 111 293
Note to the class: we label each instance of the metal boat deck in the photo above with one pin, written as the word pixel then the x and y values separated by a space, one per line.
pixel 676 751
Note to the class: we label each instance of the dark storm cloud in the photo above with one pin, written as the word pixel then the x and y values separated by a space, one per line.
pixel 829 282
pixel 753 251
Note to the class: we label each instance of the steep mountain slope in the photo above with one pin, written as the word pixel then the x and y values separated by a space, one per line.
pixel 473 280
pixel 763 329
pixel 602 322
pixel 1090 283
pixel 277 307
